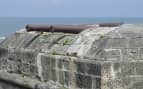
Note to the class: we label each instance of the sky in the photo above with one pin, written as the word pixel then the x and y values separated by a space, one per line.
pixel 71 8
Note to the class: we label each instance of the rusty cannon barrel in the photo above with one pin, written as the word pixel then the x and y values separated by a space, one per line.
pixel 113 24
pixel 74 29
pixel 57 28
pixel 41 28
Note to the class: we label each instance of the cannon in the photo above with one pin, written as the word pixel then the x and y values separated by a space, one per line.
pixel 74 29
pixel 110 24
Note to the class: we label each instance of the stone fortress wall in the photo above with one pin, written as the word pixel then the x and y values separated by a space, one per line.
pixel 96 58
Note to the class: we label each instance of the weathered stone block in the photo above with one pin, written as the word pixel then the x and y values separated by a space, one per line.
pixel 116 43
pixel 136 42
pixel 87 81
pixel 25 56
pixel 46 62
pixel 14 66
pixel 67 78
pixel 25 69
pixel 130 54
pixel 64 78
pixel 98 83
pixel 111 70
pixel 3 52
pixel 53 63
pixel 3 58
pixel 106 68
pixel 125 83
pixel 132 68
pixel 53 75
pixel 141 53
pixel 6 85
pixel 61 77
pixel 45 75
pixel 33 71
pixel 81 67
pixel 64 64
pixel 94 69
pixel 89 68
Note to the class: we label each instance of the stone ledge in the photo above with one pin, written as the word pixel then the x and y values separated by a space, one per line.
pixel 26 83
pixel 18 80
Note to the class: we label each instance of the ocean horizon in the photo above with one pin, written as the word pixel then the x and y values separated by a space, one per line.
pixel 9 25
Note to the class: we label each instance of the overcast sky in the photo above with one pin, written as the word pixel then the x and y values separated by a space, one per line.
pixel 71 8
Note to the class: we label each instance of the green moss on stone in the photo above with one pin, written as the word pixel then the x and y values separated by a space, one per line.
pixel 66 42
pixel 54 52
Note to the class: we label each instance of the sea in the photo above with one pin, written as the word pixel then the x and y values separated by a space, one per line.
pixel 9 25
